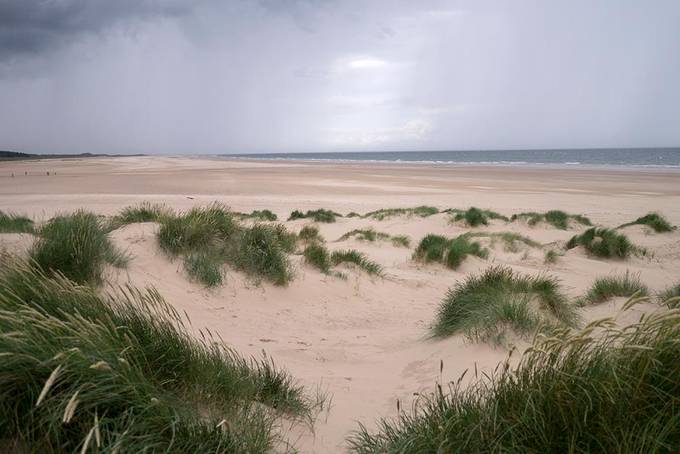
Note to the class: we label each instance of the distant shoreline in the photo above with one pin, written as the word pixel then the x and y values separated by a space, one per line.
pixel 18 156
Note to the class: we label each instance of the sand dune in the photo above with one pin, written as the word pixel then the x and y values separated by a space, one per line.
pixel 364 339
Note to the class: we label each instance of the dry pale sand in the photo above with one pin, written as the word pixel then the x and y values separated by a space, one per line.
pixel 364 340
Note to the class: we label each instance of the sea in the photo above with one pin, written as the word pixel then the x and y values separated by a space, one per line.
pixel 585 157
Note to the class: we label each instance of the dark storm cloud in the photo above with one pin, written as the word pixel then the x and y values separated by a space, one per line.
pixel 36 26
pixel 212 76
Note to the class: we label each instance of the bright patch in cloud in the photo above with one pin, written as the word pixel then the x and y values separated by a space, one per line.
pixel 411 131
pixel 367 63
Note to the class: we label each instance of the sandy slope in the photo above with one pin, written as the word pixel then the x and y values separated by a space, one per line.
pixel 363 339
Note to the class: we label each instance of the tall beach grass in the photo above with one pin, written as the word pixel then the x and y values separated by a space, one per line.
pixel 605 243
pixel 571 392
pixel 82 372
pixel 14 223
pixel 556 218
pixel 450 252
pixel 76 245
pixel 488 306
pixel 655 221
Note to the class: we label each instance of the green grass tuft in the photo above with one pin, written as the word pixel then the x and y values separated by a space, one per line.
pixel 671 295
pixel 604 243
pixel 310 233
pixel 509 238
pixel 422 211
pixel 556 218
pixel 204 267
pixel 475 217
pixel 571 392
pixel 317 255
pixel 401 241
pixel 259 215
pixel 203 227
pixel 357 258
pixel 484 307
pixel 608 287
pixel 13 223
pixel 320 215
pixel 144 212
pixel 450 252
pixel 82 372
pixel 551 256
pixel 76 245
pixel 259 250
pixel 372 236
pixel 654 220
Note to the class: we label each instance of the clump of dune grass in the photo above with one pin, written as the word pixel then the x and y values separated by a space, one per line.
pixel 450 252
pixel 200 227
pixel 608 287
pixel 353 214
pixel 86 372
pixel 400 240
pixel 318 256
pixel 570 392
pixel 431 248
pixel 556 218
pixel 510 239
pixel 604 243
pixel 475 217
pixel 459 248
pixel 357 258
pixel 259 215
pixel 372 235
pixel 259 250
pixel 13 223
pixel 551 256
pixel 205 267
pixel 671 296
pixel 320 215
pixel 76 245
pixel 422 211
pixel 654 220
pixel 310 233
pixel 144 212
pixel 484 307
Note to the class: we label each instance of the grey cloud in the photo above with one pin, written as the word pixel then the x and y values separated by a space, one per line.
pixel 30 27
pixel 213 76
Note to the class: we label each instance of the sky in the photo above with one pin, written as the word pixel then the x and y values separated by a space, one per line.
pixel 239 76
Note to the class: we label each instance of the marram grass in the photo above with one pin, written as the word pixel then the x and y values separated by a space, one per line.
pixel 310 233
pixel 14 223
pixel 144 212
pixel 371 235
pixel 357 258
pixel 450 252
pixel 499 300
pixel 655 221
pixel 605 243
pixel 82 372
pixel 607 287
pixel 556 218
pixel 475 217
pixel 318 256
pixel 319 215
pixel 76 245
pixel 211 236
pixel 575 392
pixel 422 211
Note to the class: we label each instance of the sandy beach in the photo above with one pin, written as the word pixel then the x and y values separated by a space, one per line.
pixel 363 340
